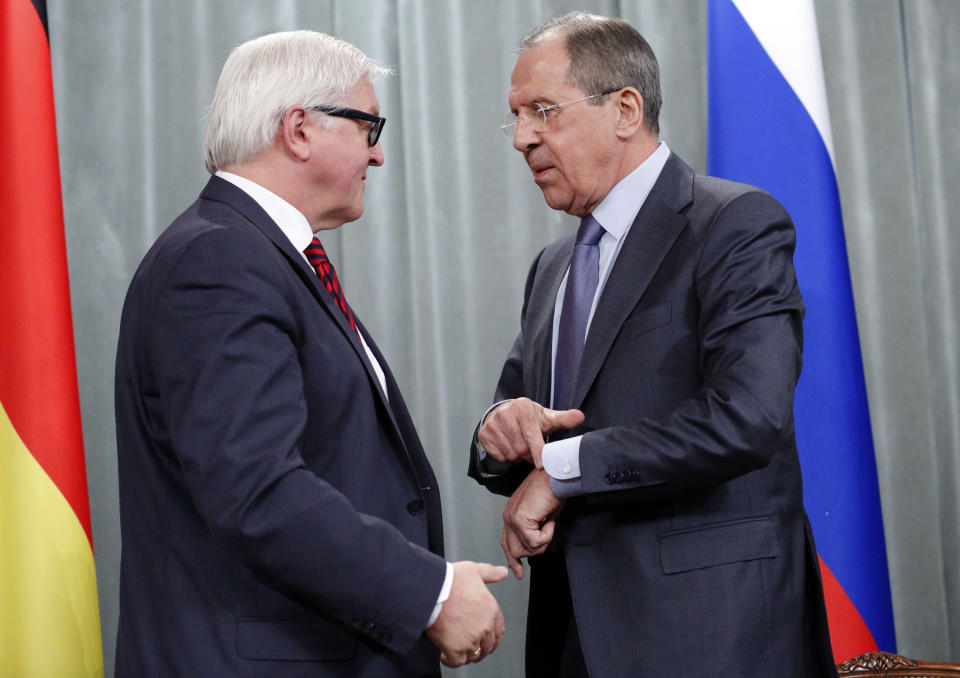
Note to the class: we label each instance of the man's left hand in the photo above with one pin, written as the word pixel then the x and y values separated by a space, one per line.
pixel 529 520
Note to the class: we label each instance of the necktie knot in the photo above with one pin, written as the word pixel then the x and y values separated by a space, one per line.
pixel 590 231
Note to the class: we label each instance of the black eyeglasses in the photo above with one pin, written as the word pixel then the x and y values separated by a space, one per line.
pixel 342 112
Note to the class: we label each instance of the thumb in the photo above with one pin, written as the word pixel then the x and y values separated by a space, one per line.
pixel 552 420
pixel 547 530
pixel 491 573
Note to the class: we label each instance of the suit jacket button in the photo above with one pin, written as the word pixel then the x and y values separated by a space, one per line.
pixel 415 507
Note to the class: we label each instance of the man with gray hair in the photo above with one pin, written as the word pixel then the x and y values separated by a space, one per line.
pixel 279 515
pixel 658 350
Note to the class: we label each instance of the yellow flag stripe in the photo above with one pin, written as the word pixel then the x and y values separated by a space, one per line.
pixel 49 619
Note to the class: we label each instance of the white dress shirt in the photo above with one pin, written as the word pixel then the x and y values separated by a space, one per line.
pixel 295 226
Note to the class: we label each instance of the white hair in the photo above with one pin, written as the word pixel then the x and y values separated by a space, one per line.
pixel 264 77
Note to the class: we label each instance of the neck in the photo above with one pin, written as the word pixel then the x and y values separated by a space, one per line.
pixel 278 178
pixel 636 153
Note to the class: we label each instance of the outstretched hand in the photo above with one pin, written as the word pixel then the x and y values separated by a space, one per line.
pixel 470 624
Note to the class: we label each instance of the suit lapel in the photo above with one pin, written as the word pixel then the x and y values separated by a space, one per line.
pixel 543 304
pixel 394 394
pixel 657 226
pixel 223 191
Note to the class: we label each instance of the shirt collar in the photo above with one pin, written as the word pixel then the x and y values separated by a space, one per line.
pixel 288 218
pixel 619 207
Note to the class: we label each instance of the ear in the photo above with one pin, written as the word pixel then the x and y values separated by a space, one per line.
pixel 630 109
pixel 294 134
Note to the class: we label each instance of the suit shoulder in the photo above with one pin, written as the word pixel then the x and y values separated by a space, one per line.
pixel 208 231
pixel 715 195
pixel 206 249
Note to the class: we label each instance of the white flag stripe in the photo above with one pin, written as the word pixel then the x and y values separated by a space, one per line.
pixel 787 29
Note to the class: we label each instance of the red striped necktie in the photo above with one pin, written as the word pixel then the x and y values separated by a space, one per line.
pixel 328 276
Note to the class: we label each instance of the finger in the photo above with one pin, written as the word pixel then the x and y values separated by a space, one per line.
pixel 487 644
pixel 494 442
pixel 542 540
pixel 492 573
pixel 546 532
pixel 531 540
pixel 532 437
pixel 516 566
pixel 513 562
pixel 540 549
pixel 498 625
pixel 506 434
pixel 553 420
pixel 454 659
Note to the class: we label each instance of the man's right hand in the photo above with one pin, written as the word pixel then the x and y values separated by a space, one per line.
pixel 470 618
pixel 515 430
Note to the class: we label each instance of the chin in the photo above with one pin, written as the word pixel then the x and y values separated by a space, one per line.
pixel 557 202
pixel 355 213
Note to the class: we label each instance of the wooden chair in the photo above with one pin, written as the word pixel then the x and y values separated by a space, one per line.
pixel 886 665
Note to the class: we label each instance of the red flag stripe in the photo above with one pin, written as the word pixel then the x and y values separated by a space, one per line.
pixel 849 633
pixel 38 386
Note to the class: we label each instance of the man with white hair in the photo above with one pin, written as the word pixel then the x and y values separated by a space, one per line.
pixel 279 515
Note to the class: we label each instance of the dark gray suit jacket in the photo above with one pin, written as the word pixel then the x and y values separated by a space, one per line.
pixel 690 553
pixel 279 515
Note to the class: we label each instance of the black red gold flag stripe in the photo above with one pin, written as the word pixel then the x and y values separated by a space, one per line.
pixel 49 619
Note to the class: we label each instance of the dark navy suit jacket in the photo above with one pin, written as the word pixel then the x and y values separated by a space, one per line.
pixel 279 516
pixel 690 553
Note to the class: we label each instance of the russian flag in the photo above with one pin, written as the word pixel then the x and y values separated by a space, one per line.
pixel 769 126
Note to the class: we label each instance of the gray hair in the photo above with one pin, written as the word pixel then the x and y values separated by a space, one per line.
pixel 264 77
pixel 605 52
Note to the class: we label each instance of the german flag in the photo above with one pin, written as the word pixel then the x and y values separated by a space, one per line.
pixel 49 619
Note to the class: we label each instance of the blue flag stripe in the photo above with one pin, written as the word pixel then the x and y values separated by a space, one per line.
pixel 761 134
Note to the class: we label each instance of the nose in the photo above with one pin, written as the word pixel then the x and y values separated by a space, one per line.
pixel 525 134
pixel 376 155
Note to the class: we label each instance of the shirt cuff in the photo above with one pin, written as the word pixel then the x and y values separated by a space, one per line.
pixel 444 594
pixel 561 461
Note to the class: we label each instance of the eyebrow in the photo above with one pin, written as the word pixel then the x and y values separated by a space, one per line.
pixel 541 100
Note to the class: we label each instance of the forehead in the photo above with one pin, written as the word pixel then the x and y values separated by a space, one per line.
pixel 541 73
pixel 364 98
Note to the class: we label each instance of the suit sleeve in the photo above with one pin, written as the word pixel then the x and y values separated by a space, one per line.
pixel 750 343
pixel 231 387
pixel 504 477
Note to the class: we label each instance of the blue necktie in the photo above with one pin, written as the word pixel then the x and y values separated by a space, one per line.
pixel 577 299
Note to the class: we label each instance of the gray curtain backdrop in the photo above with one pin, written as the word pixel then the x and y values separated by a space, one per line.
pixel 436 266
